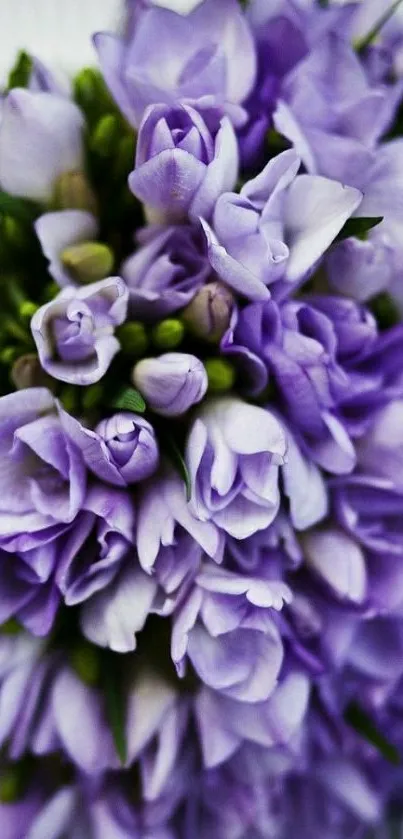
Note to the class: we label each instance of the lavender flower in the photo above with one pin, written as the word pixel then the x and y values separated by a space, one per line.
pixel 74 333
pixel 190 59
pixel 41 137
pixel 233 454
pixel 261 236
pixel 172 383
pixel 183 162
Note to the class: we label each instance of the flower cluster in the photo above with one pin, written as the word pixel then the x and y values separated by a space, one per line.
pixel 201 428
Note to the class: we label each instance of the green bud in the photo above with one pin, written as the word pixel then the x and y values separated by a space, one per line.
pixel 10 786
pixel 168 334
pixel 28 309
pixel 10 627
pixel 70 398
pixel 86 662
pixel 73 191
pixel 124 160
pixel 92 397
pixel 8 355
pixel 91 93
pixel 51 290
pixel 220 374
pixel 105 135
pixel 133 339
pixel 13 232
pixel 88 262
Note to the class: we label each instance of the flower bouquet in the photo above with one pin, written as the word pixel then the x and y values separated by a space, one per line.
pixel 201 428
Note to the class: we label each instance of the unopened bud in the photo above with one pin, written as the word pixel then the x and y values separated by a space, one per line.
pixel 27 372
pixel 11 787
pixel 88 262
pixel 133 339
pixel 208 315
pixel 168 334
pixel 86 663
pixel 220 374
pixel 172 383
pixel 73 192
pixel 106 135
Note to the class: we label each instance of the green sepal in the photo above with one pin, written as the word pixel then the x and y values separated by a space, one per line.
pixel 129 399
pixel 20 73
pixel 115 707
pixel 175 455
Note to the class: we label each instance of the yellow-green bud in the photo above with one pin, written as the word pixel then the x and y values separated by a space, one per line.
pixel 13 232
pixel 8 355
pixel 28 309
pixel 106 135
pixel 133 339
pixel 10 627
pixel 220 374
pixel 168 334
pixel 73 192
pixel 10 786
pixel 86 662
pixel 88 262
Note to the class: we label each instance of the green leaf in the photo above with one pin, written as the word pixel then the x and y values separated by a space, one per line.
pixel 358 227
pixel 175 454
pixel 21 71
pixel 380 23
pixel 129 400
pixel 18 208
pixel 362 723
pixel 115 709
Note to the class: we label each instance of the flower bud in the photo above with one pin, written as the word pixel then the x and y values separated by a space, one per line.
pixel 168 334
pixel 208 315
pixel 73 192
pixel 133 338
pixel 105 135
pixel 88 262
pixel 172 383
pixel 131 446
pixel 220 374
pixel 27 372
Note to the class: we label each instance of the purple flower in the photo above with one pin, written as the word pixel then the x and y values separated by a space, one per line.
pixel 233 453
pixel 190 58
pixel 43 481
pixel 41 137
pixel 166 271
pixel 331 114
pixel 58 231
pixel 225 627
pixel 261 235
pixel 316 352
pixel 172 383
pixel 163 520
pixel 183 162
pixel 121 450
pixel 74 332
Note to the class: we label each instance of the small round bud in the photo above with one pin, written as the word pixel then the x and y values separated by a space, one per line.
pixel 85 661
pixel 73 192
pixel 88 262
pixel 27 372
pixel 92 397
pixel 168 334
pixel 133 339
pixel 10 786
pixel 28 309
pixel 220 374
pixel 8 355
pixel 208 315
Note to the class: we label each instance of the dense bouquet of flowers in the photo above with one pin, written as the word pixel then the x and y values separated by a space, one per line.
pixel 201 429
